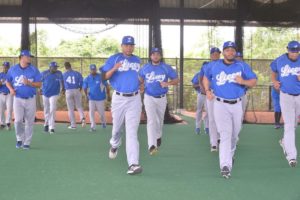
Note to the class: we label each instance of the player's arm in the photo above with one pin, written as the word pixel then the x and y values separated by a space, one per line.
pixel 107 75
pixel 274 80
pixel 108 92
pixel 32 83
pixel 10 87
pixel 248 83
pixel 201 84
pixel 206 85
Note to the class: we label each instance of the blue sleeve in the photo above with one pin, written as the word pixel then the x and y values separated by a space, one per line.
pixel 42 76
pixel 273 66
pixel 80 79
pixel 141 73
pixel 172 73
pixel 60 76
pixel 195 79
pixel 85 83
pixel 248 72
pixel 9 76
pixel 201 74
pixel 37 77
pixel 108 64
pixel 207 71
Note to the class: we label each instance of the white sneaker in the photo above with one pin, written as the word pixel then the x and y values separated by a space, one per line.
pixel 113 152
pixel 213 149
pixel 71 127
pixel 134 169
pixel 293 162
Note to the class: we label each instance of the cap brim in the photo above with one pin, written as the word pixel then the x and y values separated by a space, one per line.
pixel 128 43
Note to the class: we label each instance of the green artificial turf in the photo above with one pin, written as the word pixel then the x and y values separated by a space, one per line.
pixel 74 164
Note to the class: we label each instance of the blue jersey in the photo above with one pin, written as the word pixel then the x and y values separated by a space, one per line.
pixel 3 88
pixel 51 83
pixel 72 80
pixel 287 72
pixel 153 75
pixel 97 87
pixel 197 76
pixel 15 76
pixel 223 76
pixel 125 79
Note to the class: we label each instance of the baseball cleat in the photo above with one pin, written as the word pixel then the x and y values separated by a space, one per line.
pixel 153 150
pixel 207 131
pixel 26 147
pixel 103 125
pixel 46 128
pixel 83 123
pixel 197 130
pixel 19 144
pixel 158 142
pixel 113 152
pixel 293 162
pixel 225 172
pixel 134 169
pixel 2 126
pixel 71 127
pixel 213 149
pixel 92 130
pixel 277 126
pixel 51 131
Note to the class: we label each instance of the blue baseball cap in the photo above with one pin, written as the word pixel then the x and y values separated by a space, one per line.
pixel 6 64
pixel 93 67
pixel 155 49
pixel 26 53
pixel 53 64
pixel 128 40
pixel 293 46
pixel 238 54
pixel 229 44
pixel 214 49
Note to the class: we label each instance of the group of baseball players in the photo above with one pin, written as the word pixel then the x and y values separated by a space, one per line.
pixel 221 85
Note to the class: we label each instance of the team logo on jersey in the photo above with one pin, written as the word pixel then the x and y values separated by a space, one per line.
pixel 151 77
pixel 222 78
pixel 19 80
pixel 126 66
pixel 287 70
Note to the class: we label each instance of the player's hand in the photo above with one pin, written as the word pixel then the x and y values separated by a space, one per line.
pixel 164 84
pixel 239 80
pixel 117 65
pixel 26 81
pixel 12 92
pixel 209 95
pixel 276 85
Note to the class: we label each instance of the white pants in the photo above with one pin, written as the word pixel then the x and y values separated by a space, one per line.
pixel 50 110
pixel 290 108
pixel 228 121
pixel 213 133
pixel 24 109
pixel 6 103
pixel 73 98
pixel 96 106
pixel 244 104
pixel 201 103
pixel 128 110
pixel 155 109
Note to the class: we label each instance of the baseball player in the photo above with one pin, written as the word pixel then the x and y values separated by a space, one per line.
pixel 95 89
pixel 228 78
pixel 6 99
pixel 276 106
pixel 213 133
pixel 156 76
pixel 201 102
pixel 73 81
pixel 287 68
pixel 52 83
pixel 122 71
pixel 22 81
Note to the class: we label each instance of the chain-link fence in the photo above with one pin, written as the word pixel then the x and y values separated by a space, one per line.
pixel 259 96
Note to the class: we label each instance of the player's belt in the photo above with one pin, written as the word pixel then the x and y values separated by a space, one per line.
pixel 228 101
pixel 127 94
pixel 295 95
pixel 4 93
pixel 158 97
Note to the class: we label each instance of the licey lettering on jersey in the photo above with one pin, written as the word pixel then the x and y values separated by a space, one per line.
pixel 126 66
pixel 151 77
pixel 222 78
pixel 19 80
pixel 287 71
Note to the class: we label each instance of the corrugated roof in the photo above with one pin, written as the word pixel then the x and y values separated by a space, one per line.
pixel 10 2
pixel 199 3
